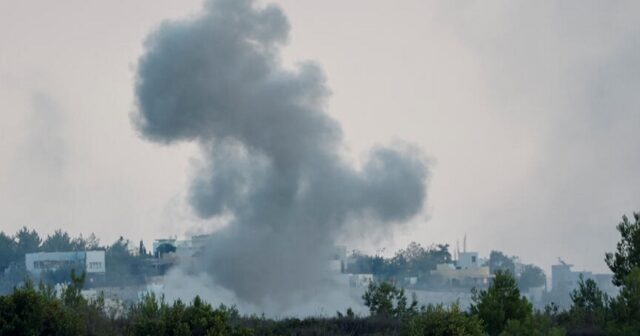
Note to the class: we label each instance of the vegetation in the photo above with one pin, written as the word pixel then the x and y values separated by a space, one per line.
pixel 532 276
pixel 589 310
pixel 498 261
pixel 413 261
pixel 387 300
pixel 500 309
pixel 500 303
pixel 627 255
pixel 440 321
pixel 625 309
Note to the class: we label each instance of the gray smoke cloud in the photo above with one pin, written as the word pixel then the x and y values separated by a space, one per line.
pixel 272 161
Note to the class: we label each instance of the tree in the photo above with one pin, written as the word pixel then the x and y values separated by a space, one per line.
pixel 91 242
pixel 500 261
pixel 27 241
pixel 29 312
pixel 589 305
pixel 500 303
pixel 532 276
pixel 625 308
pixel 7 251
pixel 124 267
pixel 387 300
pixel 59 241
pixel 414 260
pixel 72 294
pixel 588 296
pixel 153 316
pixel 627 255
pixel 440 321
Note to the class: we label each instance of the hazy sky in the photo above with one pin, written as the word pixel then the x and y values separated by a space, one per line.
pixel 528 112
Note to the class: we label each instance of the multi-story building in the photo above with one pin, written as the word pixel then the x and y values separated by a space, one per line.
pixel 91 262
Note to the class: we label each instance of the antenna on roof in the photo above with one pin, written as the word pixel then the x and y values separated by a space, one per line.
pixel 464 244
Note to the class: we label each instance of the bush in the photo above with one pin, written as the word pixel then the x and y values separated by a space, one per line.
pixel 440 321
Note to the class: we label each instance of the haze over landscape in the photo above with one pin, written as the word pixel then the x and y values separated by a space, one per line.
pixel 526 114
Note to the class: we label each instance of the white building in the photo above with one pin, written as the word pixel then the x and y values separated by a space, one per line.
pixel 466 272
pixel 88 261
pixel 468 260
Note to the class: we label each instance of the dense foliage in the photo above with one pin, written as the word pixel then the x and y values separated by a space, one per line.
pixel 387 300
pixel 500 303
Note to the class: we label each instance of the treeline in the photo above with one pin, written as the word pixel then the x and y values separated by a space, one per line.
pixel 124 260
pixel 499 309
pixel 418 261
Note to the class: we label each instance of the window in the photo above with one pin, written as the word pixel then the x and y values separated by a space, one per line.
pixel 95 265
pixel 473 259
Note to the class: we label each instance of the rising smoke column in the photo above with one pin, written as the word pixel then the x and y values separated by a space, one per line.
pixel 272 162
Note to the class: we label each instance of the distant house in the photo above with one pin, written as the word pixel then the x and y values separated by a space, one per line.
pixel 92 262
pixel 466 272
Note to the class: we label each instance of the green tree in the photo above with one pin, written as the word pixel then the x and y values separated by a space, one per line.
pixel 440 321
pixel 589 305
pixel 29 312
pixel 500 303
pixel 625 308
pixel 59 241
pixel 385 299
pixel 27 241
pixel 153 316
pixel 627 255
pixel 72 294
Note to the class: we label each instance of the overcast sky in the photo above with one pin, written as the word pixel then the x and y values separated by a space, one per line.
pixel 528 111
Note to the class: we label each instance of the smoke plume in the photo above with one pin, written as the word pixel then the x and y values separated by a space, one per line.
pixel 271 150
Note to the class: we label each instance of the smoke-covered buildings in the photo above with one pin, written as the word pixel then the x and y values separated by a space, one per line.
pixel 187 247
